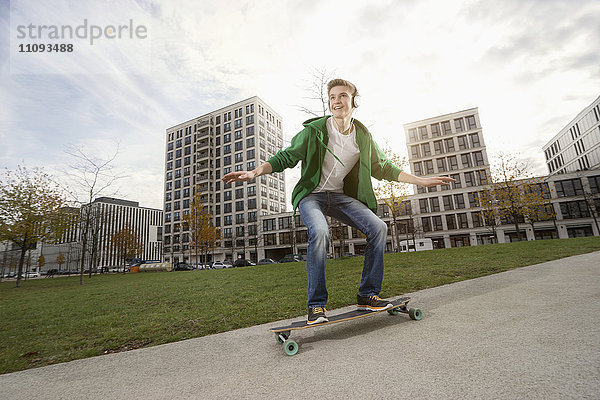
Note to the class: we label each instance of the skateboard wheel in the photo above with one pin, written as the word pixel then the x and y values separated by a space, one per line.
pixel 393 311
pixel 290 347
pixel 415 313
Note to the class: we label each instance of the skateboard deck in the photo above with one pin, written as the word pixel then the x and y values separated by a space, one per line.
pixel 290 347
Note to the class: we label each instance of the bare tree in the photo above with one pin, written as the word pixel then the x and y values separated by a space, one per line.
pixel 316 89
pixel 92 177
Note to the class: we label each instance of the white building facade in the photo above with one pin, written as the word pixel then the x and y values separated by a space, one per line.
pixel 576 147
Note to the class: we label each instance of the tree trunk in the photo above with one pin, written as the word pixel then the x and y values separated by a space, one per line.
pixel 21 261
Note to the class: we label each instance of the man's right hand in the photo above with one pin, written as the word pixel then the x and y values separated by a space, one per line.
pixel 239 176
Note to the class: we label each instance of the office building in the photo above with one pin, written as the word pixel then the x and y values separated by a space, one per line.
pixel 107 217
pixel 576 147
pixel 450 144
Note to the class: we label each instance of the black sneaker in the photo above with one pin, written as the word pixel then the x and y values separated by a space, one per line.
pixel 372 303
pixel 316 315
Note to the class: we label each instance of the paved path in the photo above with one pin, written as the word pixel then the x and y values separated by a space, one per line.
pixel 530 333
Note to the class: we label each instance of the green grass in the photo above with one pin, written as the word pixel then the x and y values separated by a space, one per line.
pixel 47 321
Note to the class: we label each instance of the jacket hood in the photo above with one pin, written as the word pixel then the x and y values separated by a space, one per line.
pixel 319 123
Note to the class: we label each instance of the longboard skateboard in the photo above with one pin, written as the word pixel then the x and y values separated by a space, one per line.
pixel 290 347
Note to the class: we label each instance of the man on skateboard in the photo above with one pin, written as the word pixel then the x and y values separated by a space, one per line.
pixel 339 157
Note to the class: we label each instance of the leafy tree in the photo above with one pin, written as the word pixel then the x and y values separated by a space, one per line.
pixel 202 234
pixel 537 205
pixel 60 260
pixel 489 210
pixel 41 262
pixel 32 209
pixel 128 243
pixel 394 194
pixel 515 193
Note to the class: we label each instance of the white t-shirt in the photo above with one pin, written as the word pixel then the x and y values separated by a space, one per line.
pixel 346 149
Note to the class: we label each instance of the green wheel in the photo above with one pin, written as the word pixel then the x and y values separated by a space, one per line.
pixel 290 347
pixel 393 311
pixel 415 313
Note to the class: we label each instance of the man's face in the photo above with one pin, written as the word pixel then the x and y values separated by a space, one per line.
pixel 340 101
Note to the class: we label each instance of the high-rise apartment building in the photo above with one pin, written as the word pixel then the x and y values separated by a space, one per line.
pixel 199 152
pixel 452 145
pixel 577 146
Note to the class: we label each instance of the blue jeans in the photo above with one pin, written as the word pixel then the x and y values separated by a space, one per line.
pixel 313 209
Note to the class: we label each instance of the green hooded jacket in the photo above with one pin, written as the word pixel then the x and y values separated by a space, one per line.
pixel 310 145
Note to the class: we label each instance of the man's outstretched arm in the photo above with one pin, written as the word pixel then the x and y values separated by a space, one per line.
pixel 422 181
pixel 242 176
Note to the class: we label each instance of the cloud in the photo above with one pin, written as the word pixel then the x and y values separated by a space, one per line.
pixel 527 67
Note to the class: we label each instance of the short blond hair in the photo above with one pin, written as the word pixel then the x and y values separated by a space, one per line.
pixel 341 82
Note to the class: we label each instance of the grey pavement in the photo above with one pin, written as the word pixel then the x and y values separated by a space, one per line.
pixel 530 333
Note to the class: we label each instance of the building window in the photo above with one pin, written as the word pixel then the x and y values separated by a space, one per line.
pixel 414 151
pixel 412 134
pixel 417 168
pixel 448 205
pixel 269 225
pixel 469 179
pixel 466 160
pixel 435 130
pixel 481 177
pixel 451 221
pixel 453 163
pixel 438 148
pixel 459 201
pixel 594 182
pixel 426 149
pixel 477 219
pixel 428 167
pixel 473 199
pixel 446 128
pixel 475 140
pixel 462 221
pixel 426 222
pixel 424 205
pixel 270 239
pixel 463 144
pixel 574 209
pixel 285 222
pixel 569 187
pixel 478 156
pixel 435 204
pixel 458 125
pixel 437 223
pixel 441 165
pixel 449 145
pixel 471 124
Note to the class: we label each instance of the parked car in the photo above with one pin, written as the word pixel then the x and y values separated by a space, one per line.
pixel 32 274
pixel 183 267
pixel 266 261
pixel 242 262
pixel 291 258
pixel 218 265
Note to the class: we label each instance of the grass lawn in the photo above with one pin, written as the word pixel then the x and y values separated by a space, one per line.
pixel 47 321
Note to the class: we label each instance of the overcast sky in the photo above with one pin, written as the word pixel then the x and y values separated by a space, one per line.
pixel 530 67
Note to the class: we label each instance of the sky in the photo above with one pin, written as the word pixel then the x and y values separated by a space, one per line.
pixel 530 66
